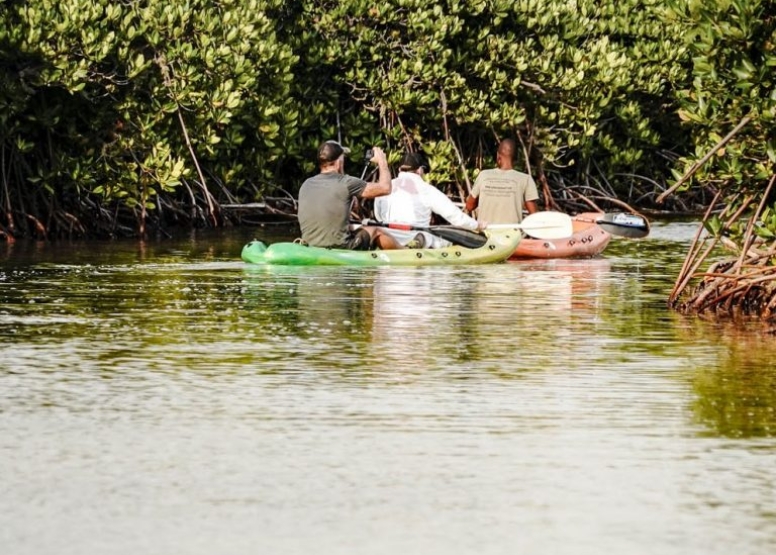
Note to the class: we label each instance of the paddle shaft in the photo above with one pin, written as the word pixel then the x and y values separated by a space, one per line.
pixel 542 225
pixel 457 235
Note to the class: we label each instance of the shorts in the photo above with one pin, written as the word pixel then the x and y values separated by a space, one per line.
pixel 358 240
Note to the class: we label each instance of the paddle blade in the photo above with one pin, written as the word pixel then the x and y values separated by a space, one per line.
pixel 624 225
pixel 459 236
pixel 543 225
pixel 547 225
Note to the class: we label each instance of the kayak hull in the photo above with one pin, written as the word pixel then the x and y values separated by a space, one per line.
pixel 586 241
pixel 499 246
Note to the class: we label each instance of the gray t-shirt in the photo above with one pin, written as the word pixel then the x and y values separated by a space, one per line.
pixel 324 208
pixel 502 195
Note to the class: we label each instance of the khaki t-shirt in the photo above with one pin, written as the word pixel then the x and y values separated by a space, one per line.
pixel 502 195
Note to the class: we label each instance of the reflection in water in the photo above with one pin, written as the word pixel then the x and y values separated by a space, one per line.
pixel 171 399
pixel 409 317
pixel 487 313
pixel 736 397
pixel 538 314
pixel 325 309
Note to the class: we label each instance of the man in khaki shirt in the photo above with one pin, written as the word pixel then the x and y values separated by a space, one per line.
pixel 501 194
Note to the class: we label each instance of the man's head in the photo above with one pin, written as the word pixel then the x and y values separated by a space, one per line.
pixel 506 154
pixel 332 153
pixel 413 161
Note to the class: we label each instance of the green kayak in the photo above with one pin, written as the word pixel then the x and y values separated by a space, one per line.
pixel 500 245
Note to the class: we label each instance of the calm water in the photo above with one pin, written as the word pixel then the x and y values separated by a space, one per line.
pixel 167 398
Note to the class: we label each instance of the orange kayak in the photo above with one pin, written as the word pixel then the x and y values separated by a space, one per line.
pixel 588 240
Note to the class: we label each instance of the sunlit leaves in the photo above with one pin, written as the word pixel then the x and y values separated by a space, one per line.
pixel 247 88
pixel 176 72
pixel 732 48
pixel 471 69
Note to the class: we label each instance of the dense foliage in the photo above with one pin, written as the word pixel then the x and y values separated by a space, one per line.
pixel 586 86
pixel 112 105
pixel 733 90
pixel 117 114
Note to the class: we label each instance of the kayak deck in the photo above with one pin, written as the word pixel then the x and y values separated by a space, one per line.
pixel 499 246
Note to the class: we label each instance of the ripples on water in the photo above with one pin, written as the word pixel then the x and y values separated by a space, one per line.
pixel 174 400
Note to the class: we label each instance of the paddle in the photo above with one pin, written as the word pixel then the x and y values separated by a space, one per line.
pixel 618 223
pixel 542 225
pixel 468 238
pixel 622 224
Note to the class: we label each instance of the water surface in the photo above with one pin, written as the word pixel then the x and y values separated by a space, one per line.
pixel 167 398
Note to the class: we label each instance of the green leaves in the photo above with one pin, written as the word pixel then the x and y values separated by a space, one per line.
pixel 484 69
pixel 732 49
pixel 178 72
pixel 246 89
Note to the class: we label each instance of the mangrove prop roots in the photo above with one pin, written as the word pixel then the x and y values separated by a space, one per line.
pixel 744 286
pixel 730 290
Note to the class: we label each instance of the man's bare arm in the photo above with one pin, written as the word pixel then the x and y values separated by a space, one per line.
pixel 383 184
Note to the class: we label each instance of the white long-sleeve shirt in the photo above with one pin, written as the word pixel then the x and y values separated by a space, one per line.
pixel 412 201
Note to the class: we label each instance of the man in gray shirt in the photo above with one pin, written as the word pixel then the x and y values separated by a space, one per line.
pixel 325 200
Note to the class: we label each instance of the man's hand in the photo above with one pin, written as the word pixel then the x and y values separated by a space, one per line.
pixel 379 156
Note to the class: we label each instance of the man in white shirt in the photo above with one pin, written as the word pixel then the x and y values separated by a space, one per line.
pixel 412 201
